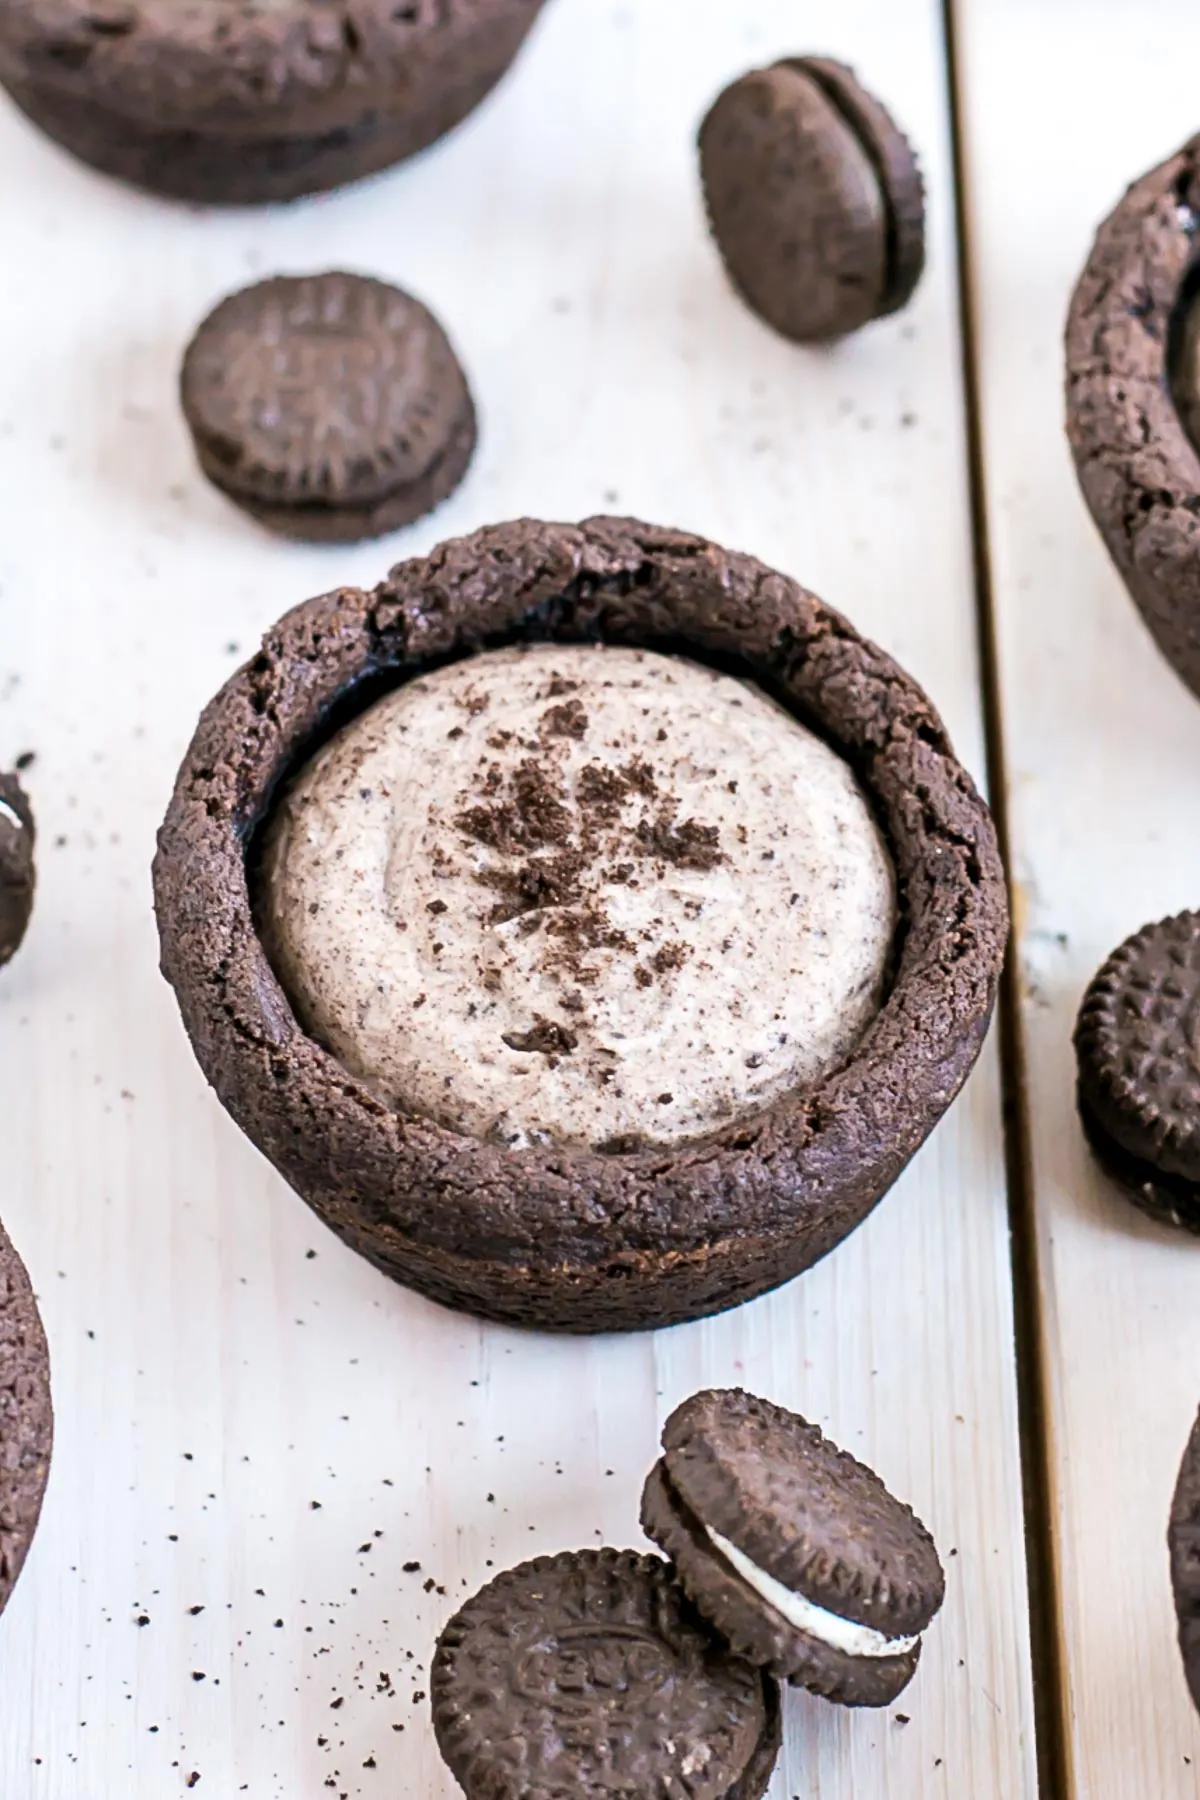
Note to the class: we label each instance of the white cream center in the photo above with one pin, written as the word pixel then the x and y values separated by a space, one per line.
pixel 580 895
pixel 840 1634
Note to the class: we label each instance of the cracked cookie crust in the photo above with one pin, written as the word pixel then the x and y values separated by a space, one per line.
pixel 581 1240
pixel 237 104
pixel 1128 395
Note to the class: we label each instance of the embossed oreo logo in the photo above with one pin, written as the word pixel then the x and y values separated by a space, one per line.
pixel 569 1671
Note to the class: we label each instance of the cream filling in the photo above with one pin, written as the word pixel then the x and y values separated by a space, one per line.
pixel 830 1628
pixel 11 815
pixel 573 895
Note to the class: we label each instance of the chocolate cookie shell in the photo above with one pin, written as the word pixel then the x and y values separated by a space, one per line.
pixel 810 1517
pixel 330 407
pixel 814 198
pixel 18 876
pixel 583 1241
pixel 26 1416
pixel 228 104
pixel 1183 1540
pixel 1128 373
pixel 1137 1046
pixel 589 1673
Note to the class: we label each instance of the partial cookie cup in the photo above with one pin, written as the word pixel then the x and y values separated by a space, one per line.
pixel 26 1416
pixel 1126 338
pixel 580 1240
pixel 240 105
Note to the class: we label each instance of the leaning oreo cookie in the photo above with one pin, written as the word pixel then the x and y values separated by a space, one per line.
pixel 797 1553
pixel 814 197
pixel 1183 1539
pixel 589 1674
pixel 1137 1045
pixel 26 1416
pixel 329 407
pixel 17 874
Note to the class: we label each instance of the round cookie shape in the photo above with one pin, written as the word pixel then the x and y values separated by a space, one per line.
pixel 26 1416
pixel 228 103
pixel 330 407
pixel 589 1672
pixel 1129 376
pixel 18 876
pixel 814 198
pixel 1183 1540
pixel 1137 1046
pixel 579 895
pixel 797 1553
pixel 579 1240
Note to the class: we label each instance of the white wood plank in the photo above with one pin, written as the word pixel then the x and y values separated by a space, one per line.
pixel 213 1379
pixel 1065 105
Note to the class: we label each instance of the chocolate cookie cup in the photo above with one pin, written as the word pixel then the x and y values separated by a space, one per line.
pixel 1183 1543
pixel 26 1416
pixel 236 105
pixel 1129 385
pixel 18 873
pixel 578 1240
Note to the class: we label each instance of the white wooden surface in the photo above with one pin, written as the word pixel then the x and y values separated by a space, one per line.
pixel 1065 105
pixel 221 1363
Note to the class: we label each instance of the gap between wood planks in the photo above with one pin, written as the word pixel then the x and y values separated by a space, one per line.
pixel 1049 1694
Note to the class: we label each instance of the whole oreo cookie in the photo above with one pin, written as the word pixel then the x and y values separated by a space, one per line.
pixel 330 407
pixel 17 874
pixel 797 1553
pixel 233 105
pixel 589 1674
pixel 1137 1043
pixel 1183 1539
pixel 814 197
pixel 26 1416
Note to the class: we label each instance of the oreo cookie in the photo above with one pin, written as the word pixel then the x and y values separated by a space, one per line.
pixel 797 1553
pixel 589 1673
pixel 814 197
pixel 17 873
pixel 329 407
pixel 1183 1541
pixel 26 1416
pixel 1137 1046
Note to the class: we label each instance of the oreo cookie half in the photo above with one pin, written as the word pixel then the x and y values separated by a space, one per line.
pixel 589 1674
pixel 26 1416
pixel 17 873
pixel 329 407
pixel 815 198
pixel 797 1553
pixel 1137 1045
pixel 1183 1540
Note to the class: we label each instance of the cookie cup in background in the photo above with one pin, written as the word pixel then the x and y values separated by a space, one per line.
pixel 570 1239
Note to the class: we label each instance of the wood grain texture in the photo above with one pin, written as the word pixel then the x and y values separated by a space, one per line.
pixel 221 1363
pixel 1103 752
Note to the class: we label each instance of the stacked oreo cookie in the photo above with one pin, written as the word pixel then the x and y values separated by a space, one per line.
pixel 604 1671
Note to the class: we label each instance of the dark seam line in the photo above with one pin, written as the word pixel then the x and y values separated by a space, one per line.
pixel 1049 1693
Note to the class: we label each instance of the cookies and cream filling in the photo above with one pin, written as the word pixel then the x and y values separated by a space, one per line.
pixel 579 895
pixel 829 1628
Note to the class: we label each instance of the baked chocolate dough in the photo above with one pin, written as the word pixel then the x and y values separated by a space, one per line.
pixel 580 1240
pixel 26 1416
pixel 1128 382
pixel 234 104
